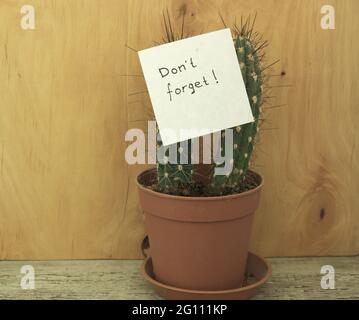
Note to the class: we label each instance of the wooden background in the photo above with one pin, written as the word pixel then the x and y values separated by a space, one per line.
pixel 65 188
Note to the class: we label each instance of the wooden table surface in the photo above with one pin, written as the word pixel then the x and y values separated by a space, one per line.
pixel 293 278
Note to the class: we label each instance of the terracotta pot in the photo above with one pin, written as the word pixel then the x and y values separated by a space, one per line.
pixel 198 243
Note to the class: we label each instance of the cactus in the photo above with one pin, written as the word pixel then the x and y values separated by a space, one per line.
pixel 174 177
pixel 244 135
pixel 180 179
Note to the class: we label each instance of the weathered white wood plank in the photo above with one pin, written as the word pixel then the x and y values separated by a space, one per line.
pixel 293 278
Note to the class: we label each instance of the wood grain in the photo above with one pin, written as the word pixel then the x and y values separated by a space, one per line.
pixel 70 89
pixel 292 279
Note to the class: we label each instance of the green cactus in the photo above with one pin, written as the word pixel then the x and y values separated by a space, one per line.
pixel 179 179
pixel 174 178
pixel 244 135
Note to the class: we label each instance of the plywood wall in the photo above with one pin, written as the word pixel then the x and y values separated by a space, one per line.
pixel 65 103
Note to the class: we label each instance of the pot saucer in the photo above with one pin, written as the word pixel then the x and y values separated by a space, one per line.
pixel 258 272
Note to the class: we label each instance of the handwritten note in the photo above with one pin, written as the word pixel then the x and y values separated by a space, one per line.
pixel 196 86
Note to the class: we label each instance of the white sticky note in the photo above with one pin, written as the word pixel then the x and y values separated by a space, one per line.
pixel 196 86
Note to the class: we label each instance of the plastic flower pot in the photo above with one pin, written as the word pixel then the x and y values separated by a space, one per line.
pixel 198 243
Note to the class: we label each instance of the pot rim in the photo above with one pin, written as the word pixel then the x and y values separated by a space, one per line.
pixel 191 198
